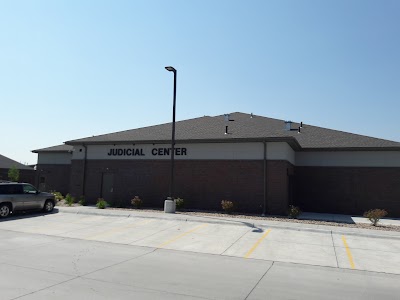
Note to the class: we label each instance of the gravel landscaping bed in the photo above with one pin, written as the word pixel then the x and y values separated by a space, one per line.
pixel 64 204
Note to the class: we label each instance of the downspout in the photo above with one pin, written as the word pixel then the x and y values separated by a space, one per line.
pixel 265 180
pixel 84 171
pixel 37 177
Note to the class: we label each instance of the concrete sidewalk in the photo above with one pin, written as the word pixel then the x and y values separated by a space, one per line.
pixel 348 219
pixel 338 221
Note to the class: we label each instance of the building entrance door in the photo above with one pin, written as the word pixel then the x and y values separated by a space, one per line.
pixel 107 186
pixel 42 183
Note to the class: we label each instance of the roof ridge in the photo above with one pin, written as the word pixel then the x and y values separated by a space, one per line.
pixel 122 131
pixel 259 116
pixel 210 129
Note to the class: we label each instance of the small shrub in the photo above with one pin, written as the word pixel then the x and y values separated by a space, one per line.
pixel 294 212
pixel 69 199
pixel 179 203
pixel 57 195
pixel 101 203
pixel 374 215
pixel 227 206
pixel 137 202
pixel 13 174
pixel 82 201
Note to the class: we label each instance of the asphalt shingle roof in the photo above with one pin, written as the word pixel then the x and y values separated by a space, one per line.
pixel 243 127
pixel 58 148
pixel 7 163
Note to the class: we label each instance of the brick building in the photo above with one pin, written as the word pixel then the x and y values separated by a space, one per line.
pixel 257 162
pixel 53 168
pixel 26 173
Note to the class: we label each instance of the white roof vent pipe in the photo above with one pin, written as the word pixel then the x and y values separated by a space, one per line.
pixel 288 125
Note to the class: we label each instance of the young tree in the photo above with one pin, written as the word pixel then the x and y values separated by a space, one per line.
pixel 13 174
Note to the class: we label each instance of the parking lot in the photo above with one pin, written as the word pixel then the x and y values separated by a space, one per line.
pixel 310 247
pixel 81 256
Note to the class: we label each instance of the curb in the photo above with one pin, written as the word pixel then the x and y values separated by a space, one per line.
pixel 177 217
pixel 250 223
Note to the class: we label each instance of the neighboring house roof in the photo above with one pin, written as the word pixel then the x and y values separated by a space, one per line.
pixel 59 148
pixel 7 163
pixel 244 127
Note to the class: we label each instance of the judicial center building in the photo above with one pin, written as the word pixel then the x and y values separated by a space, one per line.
pixel 259 163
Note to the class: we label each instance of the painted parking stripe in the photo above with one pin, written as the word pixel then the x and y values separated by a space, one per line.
pixel 117 229
pixel 247 255
pixel 181 235
pixel 349 256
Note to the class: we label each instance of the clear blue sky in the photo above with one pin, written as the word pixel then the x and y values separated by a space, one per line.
pixel 71 69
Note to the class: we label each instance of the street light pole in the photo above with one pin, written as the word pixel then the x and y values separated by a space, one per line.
pixel 170 205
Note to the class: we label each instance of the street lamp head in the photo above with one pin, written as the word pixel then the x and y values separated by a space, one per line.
pixel 171 69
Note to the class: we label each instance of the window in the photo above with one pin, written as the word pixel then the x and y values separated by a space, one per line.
pixel 13 189
pixel 8 189
pixel 3 189
pixel 28 189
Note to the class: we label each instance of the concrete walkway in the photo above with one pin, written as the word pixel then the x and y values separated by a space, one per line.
pixel 336 219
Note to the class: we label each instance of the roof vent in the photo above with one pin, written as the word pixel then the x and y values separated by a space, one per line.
pixel 226 129
pixel 251 115
pixel 301 124
pixel 227 117
pixel 288 125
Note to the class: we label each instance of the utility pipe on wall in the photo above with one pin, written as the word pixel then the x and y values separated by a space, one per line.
pixel 265 180
pixel 84 172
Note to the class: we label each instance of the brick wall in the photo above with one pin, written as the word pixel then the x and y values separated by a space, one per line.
pixel 347 190
pixel 56 178
pixel 278 188
pixel 76 178
pixel 203 184
pixel 27 176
